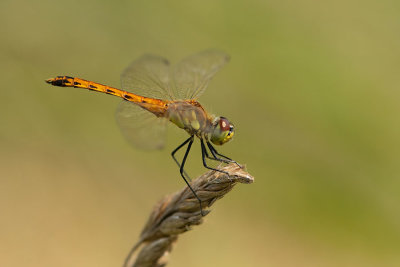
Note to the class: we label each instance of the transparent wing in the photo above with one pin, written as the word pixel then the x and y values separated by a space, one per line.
pixel 148 76
pixel 140 127
pixel 152 76
pixel 191 76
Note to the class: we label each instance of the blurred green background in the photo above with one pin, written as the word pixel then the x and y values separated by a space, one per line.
pixel 312 88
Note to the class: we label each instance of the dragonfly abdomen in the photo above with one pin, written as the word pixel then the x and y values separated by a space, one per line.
pixel 156 106
pixel 67 81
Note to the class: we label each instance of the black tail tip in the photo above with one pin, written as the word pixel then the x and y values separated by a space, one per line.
pixel 50 81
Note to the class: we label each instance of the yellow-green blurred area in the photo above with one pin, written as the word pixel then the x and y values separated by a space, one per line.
pixel 313 88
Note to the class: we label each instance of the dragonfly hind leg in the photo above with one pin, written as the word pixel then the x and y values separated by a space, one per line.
pixel 176 161
pixel 182 165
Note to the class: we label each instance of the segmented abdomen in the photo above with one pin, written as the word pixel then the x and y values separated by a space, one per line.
pixel 156 106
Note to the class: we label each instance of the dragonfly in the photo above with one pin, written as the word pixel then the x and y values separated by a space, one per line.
pixel 154 92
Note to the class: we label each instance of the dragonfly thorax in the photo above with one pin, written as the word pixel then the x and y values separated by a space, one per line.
pixel 190 116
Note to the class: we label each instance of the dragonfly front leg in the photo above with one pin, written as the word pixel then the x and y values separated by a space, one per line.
pixel 205 155
pixel 224 159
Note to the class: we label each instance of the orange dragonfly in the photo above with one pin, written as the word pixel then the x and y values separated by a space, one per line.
pixel 156 92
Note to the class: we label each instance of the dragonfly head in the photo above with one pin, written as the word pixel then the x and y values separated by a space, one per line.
pixel 222 131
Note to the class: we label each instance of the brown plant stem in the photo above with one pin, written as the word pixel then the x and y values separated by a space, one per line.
pixel 176 213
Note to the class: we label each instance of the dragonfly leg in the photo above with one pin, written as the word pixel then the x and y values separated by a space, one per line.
pixel 176 150
pixel 214 156
pixel 182 165
pixel 205 155
pixel 224 158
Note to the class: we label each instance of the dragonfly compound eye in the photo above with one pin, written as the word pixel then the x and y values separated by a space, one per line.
pixel 222 131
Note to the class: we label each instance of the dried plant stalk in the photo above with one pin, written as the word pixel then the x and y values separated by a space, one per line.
pixel 175 214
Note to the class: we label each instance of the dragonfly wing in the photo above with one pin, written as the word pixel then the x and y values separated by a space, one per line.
pixel 192 75
pixel 140 127
pixel 148 76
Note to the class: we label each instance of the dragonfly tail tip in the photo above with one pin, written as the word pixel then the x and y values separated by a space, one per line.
pixel 48 80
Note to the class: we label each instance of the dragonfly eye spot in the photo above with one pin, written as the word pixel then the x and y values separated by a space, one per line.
pixel 224 124
pixel 222 131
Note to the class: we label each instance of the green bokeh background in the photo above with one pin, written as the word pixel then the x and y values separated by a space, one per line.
pixel 312 87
